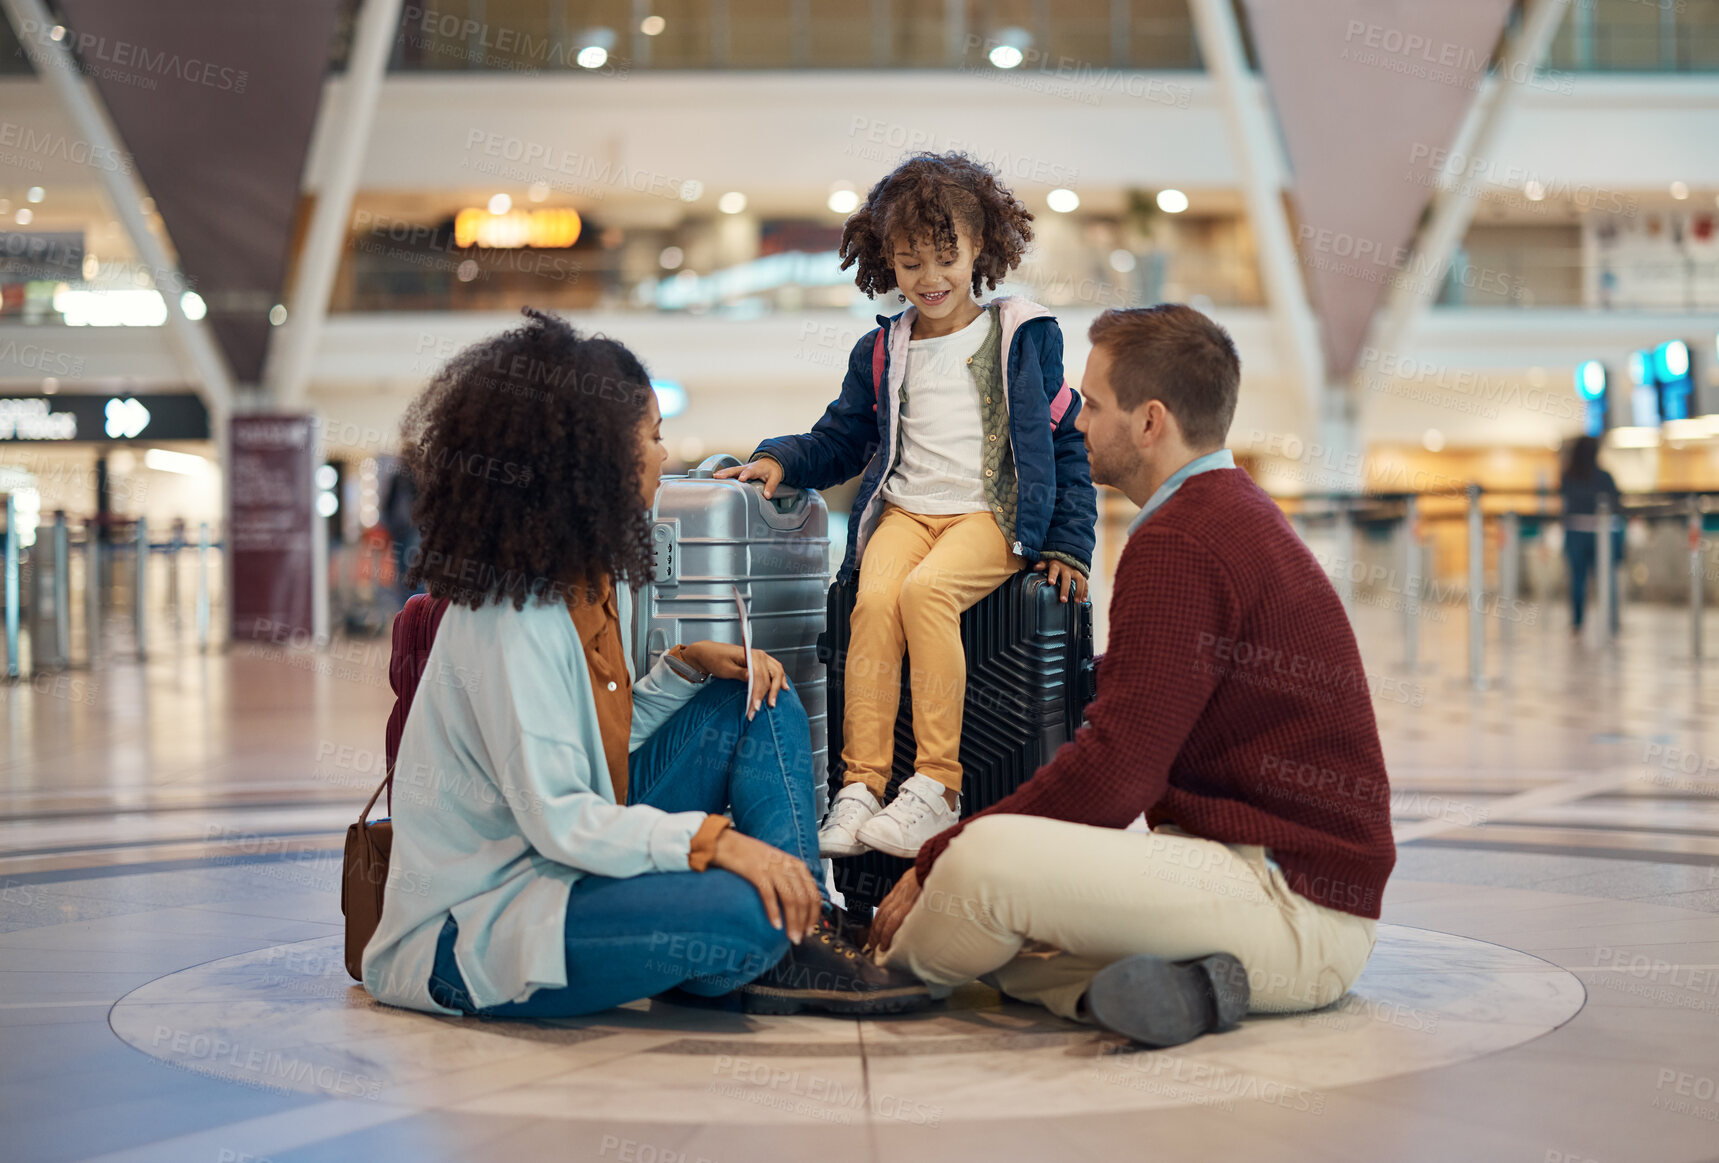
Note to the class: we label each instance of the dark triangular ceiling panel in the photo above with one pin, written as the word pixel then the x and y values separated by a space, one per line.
pixel 1369 94
pixel 215 100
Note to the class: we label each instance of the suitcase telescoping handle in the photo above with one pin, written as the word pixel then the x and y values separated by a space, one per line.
pixel 786 510
pixel 712 463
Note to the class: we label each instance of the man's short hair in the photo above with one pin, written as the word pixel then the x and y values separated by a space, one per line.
pixel 1174 354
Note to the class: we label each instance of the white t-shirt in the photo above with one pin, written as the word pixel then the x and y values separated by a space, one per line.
pixel 941 471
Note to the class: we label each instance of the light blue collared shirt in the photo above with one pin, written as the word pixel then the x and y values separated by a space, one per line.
pixel 1222 458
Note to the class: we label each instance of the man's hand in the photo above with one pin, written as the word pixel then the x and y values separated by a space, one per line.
pixel 1064 576
pixel 726 660
pixel 765 468
pixel 784 884
pixel 894 910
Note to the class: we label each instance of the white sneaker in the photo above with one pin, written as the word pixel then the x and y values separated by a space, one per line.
pixel 917 813
pixel 852 807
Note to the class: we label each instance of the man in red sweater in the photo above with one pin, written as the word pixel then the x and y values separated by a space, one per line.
pixel 1232 710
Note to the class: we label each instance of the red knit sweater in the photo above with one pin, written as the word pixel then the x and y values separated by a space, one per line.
pixel 1231 702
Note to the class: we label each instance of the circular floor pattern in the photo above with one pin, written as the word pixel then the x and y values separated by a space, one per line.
pixel 288 1018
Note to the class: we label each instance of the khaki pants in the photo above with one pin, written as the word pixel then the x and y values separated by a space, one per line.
pixel 1085 897
pixel 918 575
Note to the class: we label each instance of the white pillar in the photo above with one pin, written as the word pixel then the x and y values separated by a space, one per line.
pixel 287 376
pixel 1258 159
pixel 199 358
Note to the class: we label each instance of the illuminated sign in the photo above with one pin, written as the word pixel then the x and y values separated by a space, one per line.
pixel 124 419
pixel 517 228
pixel 101 419
pixel 1671 370
pixel 32 419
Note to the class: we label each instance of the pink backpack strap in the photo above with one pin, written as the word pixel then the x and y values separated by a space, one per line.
pixel 877 369
pixel 1060 404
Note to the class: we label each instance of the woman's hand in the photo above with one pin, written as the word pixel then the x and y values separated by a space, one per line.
pixel 784 884
pixel 726 660
pixel 1060 573
pixel 894 910
pixel 765 468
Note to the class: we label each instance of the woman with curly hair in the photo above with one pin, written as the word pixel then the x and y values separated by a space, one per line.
pixel 559 842
pixel 959 414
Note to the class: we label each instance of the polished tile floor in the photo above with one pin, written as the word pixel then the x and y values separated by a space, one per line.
pixel 1546 986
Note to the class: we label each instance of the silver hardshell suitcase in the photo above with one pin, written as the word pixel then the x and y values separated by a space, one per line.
pixel 712 536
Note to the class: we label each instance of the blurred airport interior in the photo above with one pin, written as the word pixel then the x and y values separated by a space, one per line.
pixel 237 239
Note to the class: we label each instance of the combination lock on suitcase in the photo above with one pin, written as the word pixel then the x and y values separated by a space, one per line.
pixel 712 536
pixel 1029 678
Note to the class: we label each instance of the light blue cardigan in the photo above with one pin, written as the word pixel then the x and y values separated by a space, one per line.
pixel 502 799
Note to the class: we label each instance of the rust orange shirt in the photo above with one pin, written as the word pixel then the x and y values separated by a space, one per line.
pixel 598 621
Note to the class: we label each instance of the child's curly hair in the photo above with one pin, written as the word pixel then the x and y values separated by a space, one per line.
pixel 927 197
pixel 525 448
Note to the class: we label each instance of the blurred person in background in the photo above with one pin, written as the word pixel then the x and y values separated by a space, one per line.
pixel 397 520
pixel 1584 483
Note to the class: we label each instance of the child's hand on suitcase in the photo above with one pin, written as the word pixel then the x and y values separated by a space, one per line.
pixel 726 660
pixel 1065 576
pixel 765 468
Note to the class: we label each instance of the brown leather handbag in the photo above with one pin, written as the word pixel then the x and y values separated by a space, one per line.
pixel 368 844
pixel 363 879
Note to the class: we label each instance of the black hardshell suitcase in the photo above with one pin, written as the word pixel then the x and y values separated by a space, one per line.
pixel 1029 678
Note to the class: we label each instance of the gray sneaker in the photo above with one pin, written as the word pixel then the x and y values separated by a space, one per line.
pixel 1159 1003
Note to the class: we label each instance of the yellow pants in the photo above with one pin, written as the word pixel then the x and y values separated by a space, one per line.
pixel 918 574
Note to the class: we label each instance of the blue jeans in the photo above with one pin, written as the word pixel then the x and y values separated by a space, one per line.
pixel 1581 550
pixel 706 932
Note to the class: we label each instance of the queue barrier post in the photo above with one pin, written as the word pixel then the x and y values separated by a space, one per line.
pixel 92 592
pixel 1696 580
pixel 1605 600
pixel 11 587
pixel 1411 535
pixel 1345 537
pixel 1509 574
pixel 203 586
pixel 62 593
pixel 140 591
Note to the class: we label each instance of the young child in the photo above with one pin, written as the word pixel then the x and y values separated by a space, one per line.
pixel 960 417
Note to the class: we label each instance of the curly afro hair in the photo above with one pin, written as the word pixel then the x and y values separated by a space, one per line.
pixel 525 450
pixel 927 197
